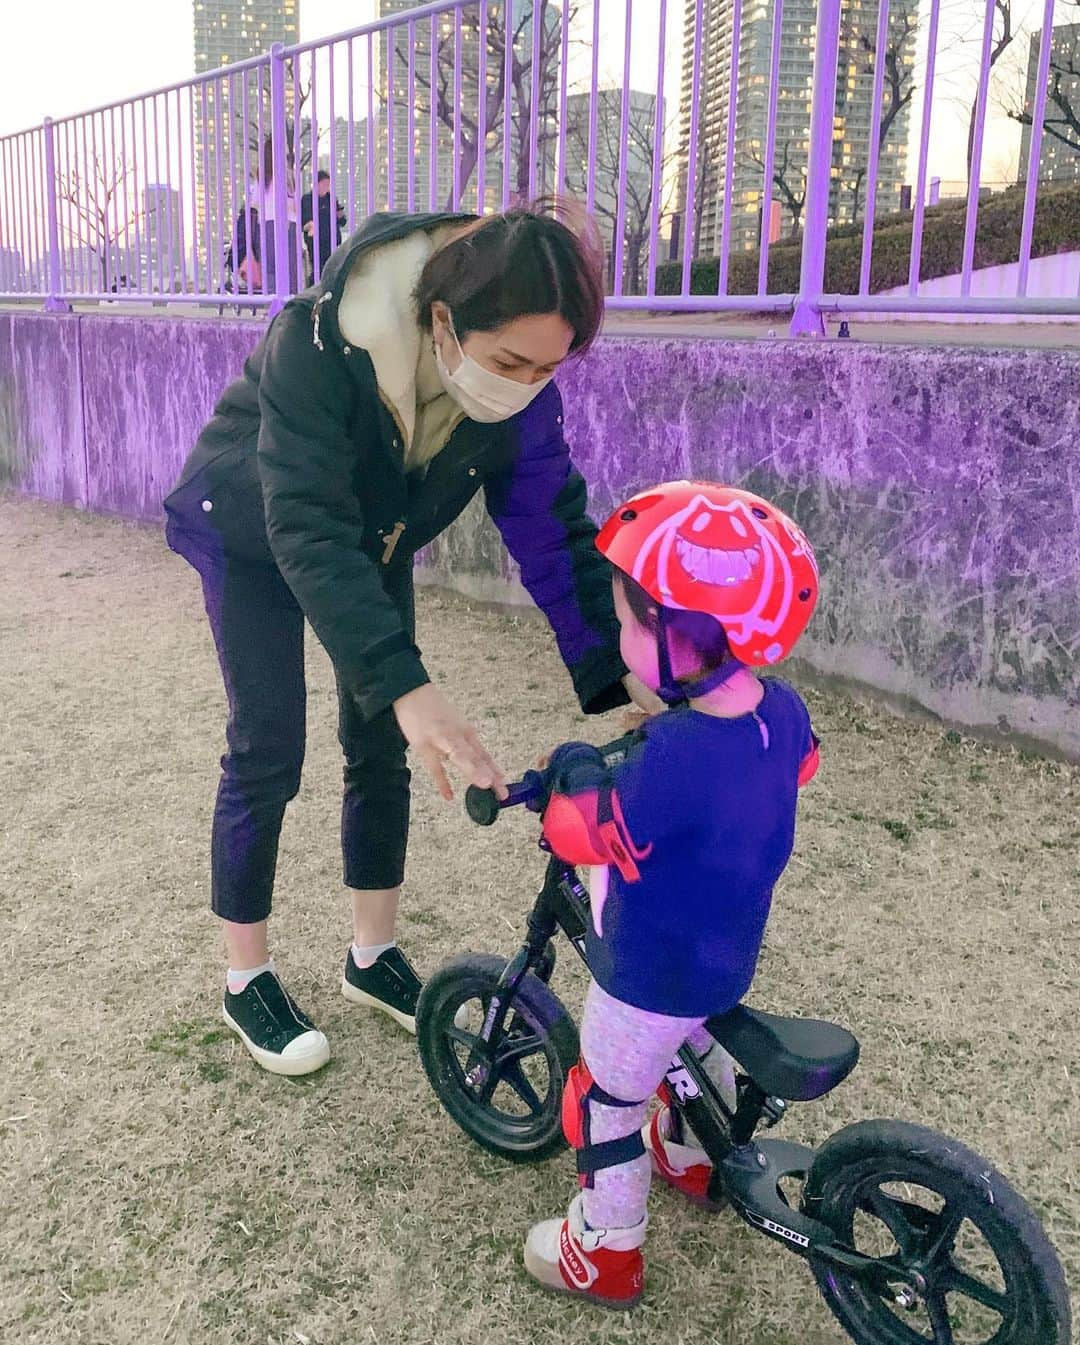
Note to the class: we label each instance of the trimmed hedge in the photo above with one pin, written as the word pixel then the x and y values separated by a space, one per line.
pixel 997 242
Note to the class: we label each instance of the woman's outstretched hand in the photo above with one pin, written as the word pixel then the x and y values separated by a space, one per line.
pixel 439 735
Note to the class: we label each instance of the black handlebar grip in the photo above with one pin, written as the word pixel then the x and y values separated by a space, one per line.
pixel 482 805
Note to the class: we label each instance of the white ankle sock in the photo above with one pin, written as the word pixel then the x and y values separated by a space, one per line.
pixel 238 981
pixel 367 957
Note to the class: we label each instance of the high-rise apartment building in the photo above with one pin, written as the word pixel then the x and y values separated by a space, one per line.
pixel 855 112
pixel 1059 151
pixel 852 126
pixel 228 31
pixel 714 86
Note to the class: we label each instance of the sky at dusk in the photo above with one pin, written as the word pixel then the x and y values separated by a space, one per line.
pixel 89 53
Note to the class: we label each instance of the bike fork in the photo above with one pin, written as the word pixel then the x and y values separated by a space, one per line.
pixel 529 956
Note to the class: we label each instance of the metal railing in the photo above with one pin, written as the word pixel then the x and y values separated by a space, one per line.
pixel 720 181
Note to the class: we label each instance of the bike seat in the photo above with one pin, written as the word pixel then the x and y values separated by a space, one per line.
pixel 794 1058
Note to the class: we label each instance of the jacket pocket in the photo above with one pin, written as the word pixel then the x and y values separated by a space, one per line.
pixel 220 508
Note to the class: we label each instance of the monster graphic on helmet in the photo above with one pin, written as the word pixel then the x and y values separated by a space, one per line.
pixel 701 547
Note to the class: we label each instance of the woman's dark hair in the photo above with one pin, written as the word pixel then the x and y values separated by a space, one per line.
pixel 544 258
pixel 703 633
pixel 267 163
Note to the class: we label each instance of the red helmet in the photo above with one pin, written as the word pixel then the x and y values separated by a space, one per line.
pixel 706 548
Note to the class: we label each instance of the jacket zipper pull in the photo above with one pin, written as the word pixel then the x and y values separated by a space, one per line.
pixel 391 539
pixel 316 340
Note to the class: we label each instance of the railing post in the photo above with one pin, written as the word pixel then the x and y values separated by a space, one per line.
pixel 807 320
pixel 54 303
pixel 282 256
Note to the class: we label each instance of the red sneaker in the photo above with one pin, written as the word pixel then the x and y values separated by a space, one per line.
pixel 683 1166
pixel 603 1265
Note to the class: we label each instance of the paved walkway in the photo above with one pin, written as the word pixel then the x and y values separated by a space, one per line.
pixel 703 326
pixel 728 327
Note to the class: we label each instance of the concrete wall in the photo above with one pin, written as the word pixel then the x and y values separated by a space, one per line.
pixel 940 485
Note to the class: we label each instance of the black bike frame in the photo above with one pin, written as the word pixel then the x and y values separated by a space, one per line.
pixel 746 1172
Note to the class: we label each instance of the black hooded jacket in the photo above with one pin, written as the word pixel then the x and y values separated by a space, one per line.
pixel 302 466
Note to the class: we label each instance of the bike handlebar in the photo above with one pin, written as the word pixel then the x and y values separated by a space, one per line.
pixel 484 805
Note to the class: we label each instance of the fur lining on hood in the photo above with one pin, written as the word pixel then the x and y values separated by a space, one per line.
pixel 377 314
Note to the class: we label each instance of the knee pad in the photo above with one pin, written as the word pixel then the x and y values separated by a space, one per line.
pixel 581 1091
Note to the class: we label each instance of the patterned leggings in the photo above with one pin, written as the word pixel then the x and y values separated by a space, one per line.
pixel 628 1052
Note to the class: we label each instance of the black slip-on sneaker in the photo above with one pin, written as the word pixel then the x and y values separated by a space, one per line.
pixel 389 984
pixel 277 1032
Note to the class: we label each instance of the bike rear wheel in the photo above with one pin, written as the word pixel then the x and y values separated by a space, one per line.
pixel 988 1274
pixel 509 1100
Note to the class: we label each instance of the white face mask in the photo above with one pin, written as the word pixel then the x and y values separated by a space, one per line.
pixel 484 396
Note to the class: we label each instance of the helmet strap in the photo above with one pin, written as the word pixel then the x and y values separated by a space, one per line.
pixel 724 673
pixel 669 691
pixel 672 692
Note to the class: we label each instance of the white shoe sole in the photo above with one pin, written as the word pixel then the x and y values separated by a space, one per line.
pixel 366 1001
pixel 307 1062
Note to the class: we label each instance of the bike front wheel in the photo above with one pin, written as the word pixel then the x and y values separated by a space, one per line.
pixel 505 1094
pixel 984 1271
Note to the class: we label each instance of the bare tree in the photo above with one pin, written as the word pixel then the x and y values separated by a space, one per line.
pixel 856 189
pixel 462 113
pixel 610 150
pixel 899 82
pixel 1061 120
pixel 898 77
pixel 705 184
pixel 1000 42
pixel 100 201
pixel 789 176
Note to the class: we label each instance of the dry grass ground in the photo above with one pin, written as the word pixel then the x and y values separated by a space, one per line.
pixel 156 1186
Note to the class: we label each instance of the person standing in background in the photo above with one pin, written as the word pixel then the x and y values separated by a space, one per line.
pixel 263 199
pixel 331 222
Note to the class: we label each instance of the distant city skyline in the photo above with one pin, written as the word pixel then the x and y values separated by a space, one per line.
pixel 111 50
pixel 98 62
